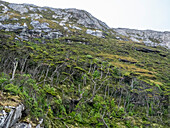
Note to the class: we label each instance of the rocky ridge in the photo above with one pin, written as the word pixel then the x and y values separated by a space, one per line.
pixel 30 21
pixel 45 21
pixel 149 37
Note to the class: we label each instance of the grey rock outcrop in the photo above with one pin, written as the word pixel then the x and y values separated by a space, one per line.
pixel 11 27
pixel 74 27
pixel 65 16
pixel 53 35
pixel 86 19
pixel 40 26
pixel 9 119
pixel 35 16
pixel 4 17
pixel 18 7
pixel 97 33
pixel 149 37
pixel 4 8
pixel 82 17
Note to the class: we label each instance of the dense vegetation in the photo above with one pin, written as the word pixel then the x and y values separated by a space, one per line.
pixel 85 81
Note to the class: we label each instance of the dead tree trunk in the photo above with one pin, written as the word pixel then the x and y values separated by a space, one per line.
pixel 15 67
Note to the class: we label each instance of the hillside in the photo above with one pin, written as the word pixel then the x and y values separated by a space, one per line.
pixel 65 68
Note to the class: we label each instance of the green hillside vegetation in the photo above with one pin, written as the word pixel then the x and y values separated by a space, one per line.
pixel 88 82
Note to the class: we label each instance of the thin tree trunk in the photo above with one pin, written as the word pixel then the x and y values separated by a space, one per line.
pixel 15 67
pixel 23 65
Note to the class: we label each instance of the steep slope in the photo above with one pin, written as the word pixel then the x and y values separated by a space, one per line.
pixel 70 69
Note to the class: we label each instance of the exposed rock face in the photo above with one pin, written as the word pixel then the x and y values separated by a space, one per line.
pixel 4 17
pixel 67 18
pixel 97 33
pixel 17 7
pixel 86 19
pixel 35 16
pixel 9 119
pixel 40 26
pixel 11 27
pixel 82 17
pixel 4 8
pixel 75 27
pixel 149 37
